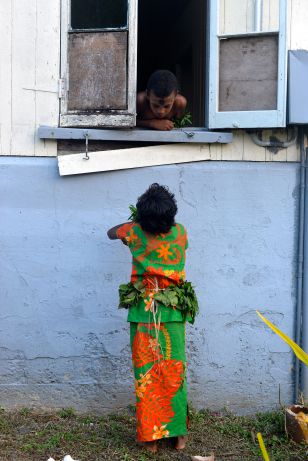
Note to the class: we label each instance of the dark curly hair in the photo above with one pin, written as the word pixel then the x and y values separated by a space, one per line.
pixel 156 209
pixel 162 83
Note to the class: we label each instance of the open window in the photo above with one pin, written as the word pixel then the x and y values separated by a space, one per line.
pixel 100 50
pixel 171 35
pixel 228 55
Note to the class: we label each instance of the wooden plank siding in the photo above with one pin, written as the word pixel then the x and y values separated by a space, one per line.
pixel 5 76
pixel 47 71
pixel 238 15
pixel 30 49
pixel 24 30
pixel 235 17
pixel 299 21
pixel 29 72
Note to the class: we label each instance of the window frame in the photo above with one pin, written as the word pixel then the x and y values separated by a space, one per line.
pixel 213 118
pixel 114 118
pixel 245 119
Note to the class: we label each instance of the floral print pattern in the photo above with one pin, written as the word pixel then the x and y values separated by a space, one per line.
pixel 160 383
pixel 158 349
pixel 158 262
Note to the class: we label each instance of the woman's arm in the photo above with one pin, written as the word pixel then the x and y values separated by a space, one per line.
pixel 112 233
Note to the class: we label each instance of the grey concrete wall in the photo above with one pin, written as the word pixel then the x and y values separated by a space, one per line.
pixel 63 342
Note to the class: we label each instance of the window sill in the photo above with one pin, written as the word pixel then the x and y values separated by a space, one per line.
pixel 182 135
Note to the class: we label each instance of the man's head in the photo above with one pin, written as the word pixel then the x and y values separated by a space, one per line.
pixel 162 88
pixel 156 209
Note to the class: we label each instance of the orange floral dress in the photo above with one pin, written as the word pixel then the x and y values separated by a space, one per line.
pixel 158 335
pixel 158 261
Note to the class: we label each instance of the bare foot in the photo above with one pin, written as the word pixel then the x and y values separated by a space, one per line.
pixel 181 442
pixel 151 446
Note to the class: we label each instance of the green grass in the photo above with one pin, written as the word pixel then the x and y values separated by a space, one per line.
pixel 67 413
pixel 28 436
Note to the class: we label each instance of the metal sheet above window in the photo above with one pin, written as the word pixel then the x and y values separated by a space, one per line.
pixel 98 14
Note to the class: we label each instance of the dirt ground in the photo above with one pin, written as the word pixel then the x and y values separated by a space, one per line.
pixel 28 436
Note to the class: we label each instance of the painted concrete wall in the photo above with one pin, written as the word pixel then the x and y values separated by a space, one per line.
pixel 63 340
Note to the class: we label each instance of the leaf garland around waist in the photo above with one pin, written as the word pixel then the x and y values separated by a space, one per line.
pixel 181 297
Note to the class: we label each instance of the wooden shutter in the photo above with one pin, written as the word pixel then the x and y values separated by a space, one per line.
pixel 98 63
pixel 247 64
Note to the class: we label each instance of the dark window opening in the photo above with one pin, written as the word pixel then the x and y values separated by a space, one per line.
pixel 98 14
pixel 171 35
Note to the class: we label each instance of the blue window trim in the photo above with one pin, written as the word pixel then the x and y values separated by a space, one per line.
pixel 245 119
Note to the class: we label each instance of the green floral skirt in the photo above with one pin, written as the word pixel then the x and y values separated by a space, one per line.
pixel 159 362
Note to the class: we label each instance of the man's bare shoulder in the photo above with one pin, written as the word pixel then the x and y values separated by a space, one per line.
pixel 142 102
pixel 180 104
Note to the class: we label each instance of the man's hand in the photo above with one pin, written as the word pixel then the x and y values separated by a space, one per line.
pixel 156 124
pixel 162 124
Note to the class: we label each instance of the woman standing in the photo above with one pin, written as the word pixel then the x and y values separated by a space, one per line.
pixel 160 302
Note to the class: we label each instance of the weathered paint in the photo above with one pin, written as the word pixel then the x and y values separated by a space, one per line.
pixel 139 157
pixel 90 89
pixel 179 135
pixel 234 20
pixel 30 68
pixel 248 73
pixel 29 73
pixel 63 341
pixel 115 118
pixel 245 118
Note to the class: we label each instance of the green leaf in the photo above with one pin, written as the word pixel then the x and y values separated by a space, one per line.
pixel 133 213
pixel 129 295
pixel 181 297
pixel 182 122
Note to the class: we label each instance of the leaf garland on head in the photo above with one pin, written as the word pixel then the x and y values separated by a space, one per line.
pixel 181 297
pixel 133 213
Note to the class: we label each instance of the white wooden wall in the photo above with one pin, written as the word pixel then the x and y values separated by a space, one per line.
pixel 237 16
pixel 29 72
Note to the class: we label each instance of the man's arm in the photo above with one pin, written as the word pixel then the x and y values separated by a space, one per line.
pixel 180 104
pixel 156 124
pixel 143 113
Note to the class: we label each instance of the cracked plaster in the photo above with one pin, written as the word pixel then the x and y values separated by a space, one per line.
pixel 63 340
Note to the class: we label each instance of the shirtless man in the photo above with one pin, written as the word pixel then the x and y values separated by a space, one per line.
pixel 160 102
